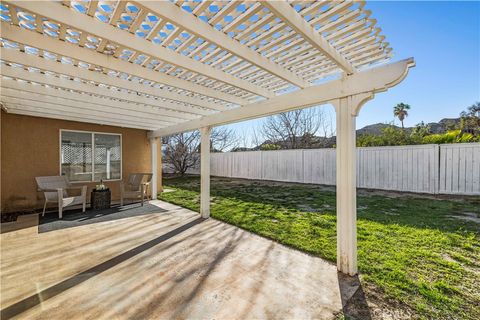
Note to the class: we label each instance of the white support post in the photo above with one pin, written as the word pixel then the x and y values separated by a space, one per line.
pixel 154 155
pixel 347 109
pixel 205 172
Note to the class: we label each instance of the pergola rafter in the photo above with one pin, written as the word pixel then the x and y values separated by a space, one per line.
pixel 89 26
pixel 285 11
pixel 175 66
pixel 165 9
pixel 65 49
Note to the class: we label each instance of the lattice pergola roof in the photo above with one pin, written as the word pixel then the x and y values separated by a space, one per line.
pixel 155 64
pixel 175 66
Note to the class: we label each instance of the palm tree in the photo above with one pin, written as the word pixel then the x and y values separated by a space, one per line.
pixel 401 111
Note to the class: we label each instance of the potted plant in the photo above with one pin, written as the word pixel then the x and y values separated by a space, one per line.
pixel 101 186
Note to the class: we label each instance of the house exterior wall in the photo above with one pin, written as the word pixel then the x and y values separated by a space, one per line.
pixel 30 148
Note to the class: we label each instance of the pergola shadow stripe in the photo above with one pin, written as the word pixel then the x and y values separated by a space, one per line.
pixel 34 300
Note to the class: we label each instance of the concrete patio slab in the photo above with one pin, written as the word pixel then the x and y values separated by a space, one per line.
pixel 166 265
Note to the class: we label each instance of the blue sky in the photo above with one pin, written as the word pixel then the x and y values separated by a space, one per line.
pixel 444 39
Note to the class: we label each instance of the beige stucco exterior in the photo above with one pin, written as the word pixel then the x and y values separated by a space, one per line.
pixel 30 148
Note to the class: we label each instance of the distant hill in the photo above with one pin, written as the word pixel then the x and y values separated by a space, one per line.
pixel 444 125
pixel 435 127
pixel 374 129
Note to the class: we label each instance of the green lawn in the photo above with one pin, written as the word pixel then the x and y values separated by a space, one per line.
pixel 416 254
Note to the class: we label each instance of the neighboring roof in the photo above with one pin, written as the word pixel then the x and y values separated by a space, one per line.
pixel 155 64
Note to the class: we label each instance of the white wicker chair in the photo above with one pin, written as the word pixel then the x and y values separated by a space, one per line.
pixel 55 190
pixel 136 187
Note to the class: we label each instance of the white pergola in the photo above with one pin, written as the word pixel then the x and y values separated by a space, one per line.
pixel 176 66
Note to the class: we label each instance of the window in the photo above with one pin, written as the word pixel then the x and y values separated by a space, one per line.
pixel 90 156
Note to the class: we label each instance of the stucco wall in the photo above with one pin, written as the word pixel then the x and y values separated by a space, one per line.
pixel 30 148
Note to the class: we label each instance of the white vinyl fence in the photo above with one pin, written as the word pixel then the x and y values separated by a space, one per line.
pixel 459 169
pixel 446 169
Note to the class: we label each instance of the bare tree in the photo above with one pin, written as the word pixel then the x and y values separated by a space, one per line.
pixel 223 139
pixel 244 141
pixel 327 129
pixel 256 140
pixel 182 150
pixel 295 129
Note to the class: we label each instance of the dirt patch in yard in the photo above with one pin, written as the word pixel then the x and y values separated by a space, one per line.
pixel 366 302
pixel 382 308
pixel 308 208
pixel 236 182
pixel 467 216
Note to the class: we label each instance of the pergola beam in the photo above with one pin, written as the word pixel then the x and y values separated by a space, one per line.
pixel 284 11
pixel 133 100
pixel 167 10
pixel 74 110
pixel 88 108
pixel 36 40
pixel 74 98
pixel 369 81
pixel 97 28
pixel 97 77
pixel 40 112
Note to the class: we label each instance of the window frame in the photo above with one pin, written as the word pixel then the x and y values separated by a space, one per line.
pixel 92 133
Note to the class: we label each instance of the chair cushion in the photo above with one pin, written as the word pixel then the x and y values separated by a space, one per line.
pixel 71 201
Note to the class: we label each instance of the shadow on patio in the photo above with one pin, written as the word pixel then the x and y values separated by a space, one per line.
pixel 168 264
pixel 75 218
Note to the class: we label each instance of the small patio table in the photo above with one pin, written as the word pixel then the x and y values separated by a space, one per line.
pixel 100 199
